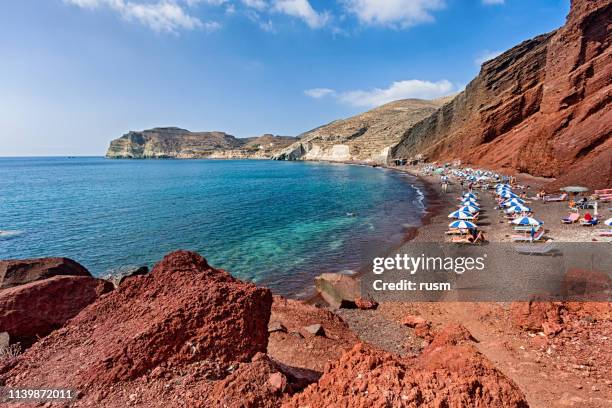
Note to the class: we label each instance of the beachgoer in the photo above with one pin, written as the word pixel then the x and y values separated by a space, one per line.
pixel 588 217
pixel 532 232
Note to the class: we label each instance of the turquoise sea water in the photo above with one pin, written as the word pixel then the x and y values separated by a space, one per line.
pixel 275 223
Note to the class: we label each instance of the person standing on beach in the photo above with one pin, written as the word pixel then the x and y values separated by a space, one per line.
pixel 532 232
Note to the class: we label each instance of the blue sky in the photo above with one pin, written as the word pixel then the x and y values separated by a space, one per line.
pixel 75 74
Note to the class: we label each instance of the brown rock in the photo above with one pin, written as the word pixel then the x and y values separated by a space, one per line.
pixel 276 327
pixel 278 382
pixel 337 289
pixel 450 335
pixel 551 329
pixel 413 321
pixel 14 272
pixel 257 384
pixel 315 330
pixel 423 331
pixel 35 309
pixel 366 304
pixel 530 315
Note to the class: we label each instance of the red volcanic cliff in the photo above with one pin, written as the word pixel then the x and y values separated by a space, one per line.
pixel 542 107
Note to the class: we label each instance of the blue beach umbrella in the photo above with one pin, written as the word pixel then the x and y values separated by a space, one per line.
pixel 461 224
pixel 513 202
pixel 470 209
pixel 527 221
pixel 508 194
pixel 608 222
pixel 469 195
pixel 467 201
pixel 518 209
pixel 461 215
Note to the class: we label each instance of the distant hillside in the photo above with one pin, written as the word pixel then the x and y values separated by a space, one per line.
pixel 366 137
pixel 542 107
pixel 177 143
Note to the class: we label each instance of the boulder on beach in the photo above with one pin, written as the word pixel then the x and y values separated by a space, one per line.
pixel 14 272
pixel 35 309
pixel 337 289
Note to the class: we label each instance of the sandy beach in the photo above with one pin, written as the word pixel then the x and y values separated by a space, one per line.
pixel 570 369
pixel 495 227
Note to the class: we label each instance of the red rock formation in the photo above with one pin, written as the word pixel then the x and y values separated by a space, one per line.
pixel 543 107
pixel 531 315
pixel 294 347
pixel 14 272
pixel 445 375
pixel 36 309
pixel 183 314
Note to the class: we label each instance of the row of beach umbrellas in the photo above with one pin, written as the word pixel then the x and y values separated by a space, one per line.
pixel 465 215
pixel 514 204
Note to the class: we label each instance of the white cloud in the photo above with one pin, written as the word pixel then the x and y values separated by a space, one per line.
pixel 485 56
pixel 163 16
pixel 303 10
pixel 319 93
pixel 413 88
pixel 394 13
pixel 256 4
pixel 209 2
pixel 493 2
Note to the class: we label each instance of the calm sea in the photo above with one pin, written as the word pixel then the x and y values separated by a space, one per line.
pixel 275 223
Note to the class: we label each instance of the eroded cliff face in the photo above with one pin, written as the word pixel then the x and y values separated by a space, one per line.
pixel 366 137
pixel 543 107
pixel 172 142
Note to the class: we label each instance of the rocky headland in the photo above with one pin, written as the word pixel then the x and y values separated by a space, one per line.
pixel 366 137
pixel 176 143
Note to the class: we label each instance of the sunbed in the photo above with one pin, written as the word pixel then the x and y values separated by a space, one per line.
pixel 561 197
pixel 571 218
pixel 524 228
pixel 589 223
pixel 527 238
pixel 548 248
pixel 455 231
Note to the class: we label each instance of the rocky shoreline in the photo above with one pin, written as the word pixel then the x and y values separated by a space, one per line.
pixel 156 340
